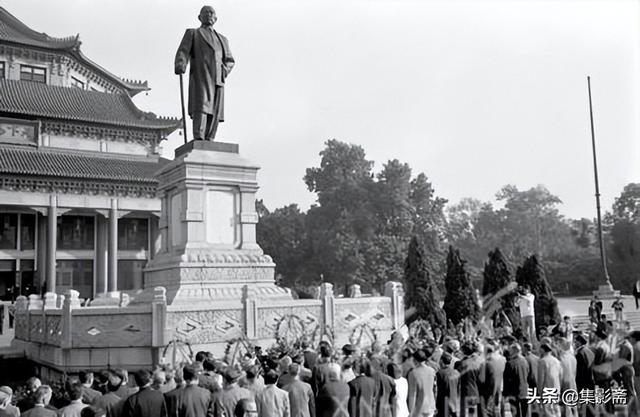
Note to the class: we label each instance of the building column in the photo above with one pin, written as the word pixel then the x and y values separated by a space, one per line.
pixel 102 253
pixel 113 247
pixel 41 251
pixel 52 240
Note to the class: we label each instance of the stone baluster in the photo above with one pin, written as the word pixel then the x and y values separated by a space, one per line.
pixel 158 316
pixel 395 291
pixel 250 310
pixel 328 305
pixel 355 291
pixel 35 303
pixel 50 300
pixel 71 302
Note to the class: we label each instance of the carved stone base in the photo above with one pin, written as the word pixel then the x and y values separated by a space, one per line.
pixel 606 292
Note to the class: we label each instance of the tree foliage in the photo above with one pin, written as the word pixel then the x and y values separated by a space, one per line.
pixel 420 290
pixel 624 229
pixel 460 300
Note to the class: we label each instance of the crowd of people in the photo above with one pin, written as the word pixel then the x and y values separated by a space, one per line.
pixel 436 374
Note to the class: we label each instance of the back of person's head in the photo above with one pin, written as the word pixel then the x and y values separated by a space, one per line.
pixel 334 371
pixel 189 373
pixel 446 359
pixel 428 350
pixel 515 349
pixel 252 371
pixel 201 356
pixel 271 377
pixel 142 377
pixel 92 411
pixel 394 370
pixel 325 350
pixel 209 365
pixel 245 405
pixel 43 394
pixel 75 391
pixel 527 347
pixel 33 384
pixel 159 377
pixel 376 347
pixel 363 367
pixel 420 356
pixel 468 348
pixel 284 363
pixel 294 369
pixel 85 377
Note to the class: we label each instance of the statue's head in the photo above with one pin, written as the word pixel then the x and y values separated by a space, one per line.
pixel 207 16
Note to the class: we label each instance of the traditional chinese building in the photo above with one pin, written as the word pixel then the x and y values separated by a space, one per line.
pixel 78 204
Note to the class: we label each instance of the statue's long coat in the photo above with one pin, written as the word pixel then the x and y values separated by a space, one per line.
pixel 211 63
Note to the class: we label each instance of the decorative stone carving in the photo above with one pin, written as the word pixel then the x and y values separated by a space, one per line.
pixel 269 318
pixel 205 326
pixel 105 330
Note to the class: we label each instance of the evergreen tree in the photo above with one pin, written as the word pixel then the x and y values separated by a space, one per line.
pixel 531 274
pixel 498 278
pixel 460 301
pixel 421 293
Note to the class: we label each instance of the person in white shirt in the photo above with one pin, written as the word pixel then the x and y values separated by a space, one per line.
pixel 525 303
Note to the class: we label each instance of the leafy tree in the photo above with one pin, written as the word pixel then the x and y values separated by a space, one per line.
pixel 531 274
pixel 460 300
pixel 420 289
pixel 624 247
pixel 282 235
pixel 497 278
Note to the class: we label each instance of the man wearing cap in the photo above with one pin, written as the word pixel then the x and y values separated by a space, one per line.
pixel 232 392
pixel 6 409
pixel 75 407
pixel 110 402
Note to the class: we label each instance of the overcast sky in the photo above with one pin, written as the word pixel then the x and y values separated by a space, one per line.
pixel 475 94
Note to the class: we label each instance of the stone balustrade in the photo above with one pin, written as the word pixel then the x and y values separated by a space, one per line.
pixel 59 332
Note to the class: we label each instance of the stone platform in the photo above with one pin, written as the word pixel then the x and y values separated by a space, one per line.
pixel 209 283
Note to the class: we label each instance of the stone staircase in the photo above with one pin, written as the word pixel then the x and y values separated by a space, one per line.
pixel 581 322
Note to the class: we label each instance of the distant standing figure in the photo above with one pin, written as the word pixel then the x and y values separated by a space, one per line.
pixel 527 313
pixel 618 309
pixel 594 316
pixel 211 62
pixel 636 292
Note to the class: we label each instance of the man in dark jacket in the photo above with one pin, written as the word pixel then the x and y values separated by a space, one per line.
pixel 516 382
pixel 584 364
pixel 146 402
pixel 385 390
pixel 362 391
pixel 447 391
pixel 194 401
pixel 532 359
pixel 333 397
pixel 470 373
pixel 491 377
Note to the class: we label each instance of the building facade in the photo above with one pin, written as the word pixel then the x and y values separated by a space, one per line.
pixel 78 193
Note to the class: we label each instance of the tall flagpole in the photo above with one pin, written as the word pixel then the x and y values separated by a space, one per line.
pixel 603 255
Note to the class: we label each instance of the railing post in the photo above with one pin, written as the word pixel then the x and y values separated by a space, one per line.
pixel 250 312
pixel 395 291
pixel 71 301
pixel 5 318
pixel 158 316
pixel 328 305
pixel 21 318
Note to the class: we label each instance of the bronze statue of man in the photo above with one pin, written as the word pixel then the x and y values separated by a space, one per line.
pixel 211 62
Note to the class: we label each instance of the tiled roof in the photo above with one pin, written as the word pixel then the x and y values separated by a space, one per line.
pixel 69 103
pixel 13 30
pixel 40 162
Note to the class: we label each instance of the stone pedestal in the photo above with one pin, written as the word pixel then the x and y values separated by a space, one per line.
pixel 208 228
pixel 606 292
